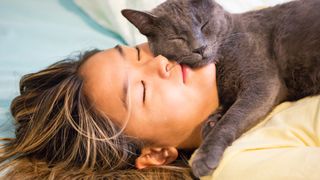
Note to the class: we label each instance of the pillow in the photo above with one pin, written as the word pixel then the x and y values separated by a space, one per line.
pixel 107 13
pixel 286 145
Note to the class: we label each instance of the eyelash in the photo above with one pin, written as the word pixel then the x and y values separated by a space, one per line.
pixel 144 90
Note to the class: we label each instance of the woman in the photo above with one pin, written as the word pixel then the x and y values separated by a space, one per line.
pixel 107 114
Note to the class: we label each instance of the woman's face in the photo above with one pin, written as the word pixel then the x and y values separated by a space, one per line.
pixel 167 103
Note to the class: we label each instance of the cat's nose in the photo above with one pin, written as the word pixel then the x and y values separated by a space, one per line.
pixel 200 50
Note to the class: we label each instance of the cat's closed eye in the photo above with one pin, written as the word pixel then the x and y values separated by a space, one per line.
pixel 176 38
pixel 204 25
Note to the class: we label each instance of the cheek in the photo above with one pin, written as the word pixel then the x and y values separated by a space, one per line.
pixel 205 77
pixel 182 47
pixel 172 102
pixel 174 49
pixel 182 107
pixel 179 103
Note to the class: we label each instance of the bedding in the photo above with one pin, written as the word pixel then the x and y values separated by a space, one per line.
pixel 286 145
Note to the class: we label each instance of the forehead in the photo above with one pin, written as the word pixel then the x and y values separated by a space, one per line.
pixel 173 9
pixel 103 75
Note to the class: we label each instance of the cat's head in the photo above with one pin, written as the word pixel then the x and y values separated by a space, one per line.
pixel 186 30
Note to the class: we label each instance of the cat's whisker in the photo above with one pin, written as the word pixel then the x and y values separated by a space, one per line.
pixel 172 67
pixel 179 60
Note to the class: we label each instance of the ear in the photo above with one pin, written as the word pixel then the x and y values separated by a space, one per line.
pixel 151 156
pixel 144 21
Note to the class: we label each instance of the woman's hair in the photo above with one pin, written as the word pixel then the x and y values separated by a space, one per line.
pixel 60 135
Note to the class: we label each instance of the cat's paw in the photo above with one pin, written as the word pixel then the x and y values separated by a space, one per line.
pixel 209 124
pixel 204 163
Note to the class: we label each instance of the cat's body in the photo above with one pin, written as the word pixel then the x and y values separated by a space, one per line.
pixel 263 58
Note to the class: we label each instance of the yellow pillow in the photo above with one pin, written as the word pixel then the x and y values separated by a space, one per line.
pixel 286 145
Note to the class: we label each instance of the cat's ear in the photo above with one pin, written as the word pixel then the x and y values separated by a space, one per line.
pixel 144 21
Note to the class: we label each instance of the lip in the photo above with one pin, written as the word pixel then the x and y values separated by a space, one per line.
pixel 184 70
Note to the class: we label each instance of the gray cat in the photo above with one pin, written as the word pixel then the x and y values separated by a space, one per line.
pixel 263 57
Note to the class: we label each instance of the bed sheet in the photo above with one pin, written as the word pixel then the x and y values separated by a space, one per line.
pixel 36 33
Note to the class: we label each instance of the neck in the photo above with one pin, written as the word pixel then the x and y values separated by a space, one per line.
pixel 193 141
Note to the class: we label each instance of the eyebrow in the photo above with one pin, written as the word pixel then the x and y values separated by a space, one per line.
pixel 124 93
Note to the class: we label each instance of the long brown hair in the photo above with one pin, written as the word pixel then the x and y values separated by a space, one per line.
pixel 60 135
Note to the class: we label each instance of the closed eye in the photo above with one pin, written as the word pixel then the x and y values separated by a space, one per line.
pixel 176 38
pixel 204 25
pixel 144 91
pixel 138 51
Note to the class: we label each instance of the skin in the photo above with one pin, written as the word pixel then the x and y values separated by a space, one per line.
pixel 173 111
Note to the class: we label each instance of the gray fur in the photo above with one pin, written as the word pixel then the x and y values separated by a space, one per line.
pixel 263 58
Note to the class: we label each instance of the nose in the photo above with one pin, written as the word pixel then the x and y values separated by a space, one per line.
pixel 200 50
pixel 163 66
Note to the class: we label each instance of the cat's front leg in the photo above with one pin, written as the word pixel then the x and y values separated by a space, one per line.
pixel 211 121
pixel 250 107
